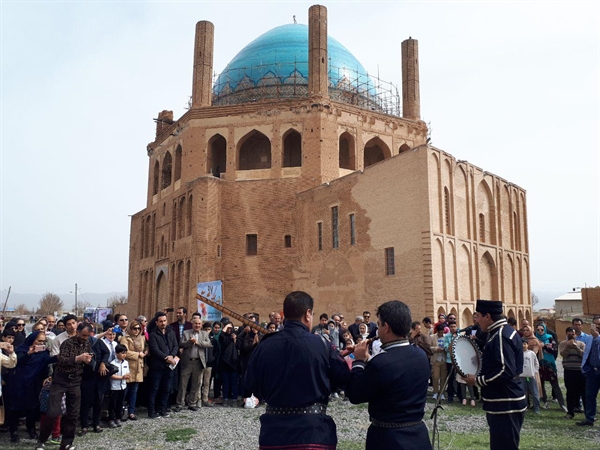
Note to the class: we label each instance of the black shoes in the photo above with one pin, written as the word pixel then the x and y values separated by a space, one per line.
pixel 585 423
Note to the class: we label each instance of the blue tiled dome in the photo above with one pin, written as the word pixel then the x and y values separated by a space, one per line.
pixel 279 58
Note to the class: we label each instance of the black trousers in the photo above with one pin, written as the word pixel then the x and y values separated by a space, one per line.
pixel 90 398
pixel 575 384
pixel 505 430
pixel 70 387
pixel 31 416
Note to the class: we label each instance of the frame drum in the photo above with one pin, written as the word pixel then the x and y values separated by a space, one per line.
pixel 466 356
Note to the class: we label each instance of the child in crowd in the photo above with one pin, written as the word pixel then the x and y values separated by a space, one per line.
pixel 118 386
pixel 531 366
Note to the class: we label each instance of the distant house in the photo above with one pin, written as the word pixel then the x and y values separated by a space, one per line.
pixel 569 304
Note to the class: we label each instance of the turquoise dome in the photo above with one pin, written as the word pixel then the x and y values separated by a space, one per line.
pixel 278 60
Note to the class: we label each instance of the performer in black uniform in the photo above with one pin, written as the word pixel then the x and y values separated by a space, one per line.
pixel 503 398
pixel 394 382
pixel 294 371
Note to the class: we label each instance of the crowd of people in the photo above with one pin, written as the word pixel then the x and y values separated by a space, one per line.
pixel 184 364
pixel 66 372
pixel 541 347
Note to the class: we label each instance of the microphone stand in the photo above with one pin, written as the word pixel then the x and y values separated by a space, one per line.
pixel 436 408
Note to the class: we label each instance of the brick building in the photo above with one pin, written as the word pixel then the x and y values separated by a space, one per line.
pixel 294 172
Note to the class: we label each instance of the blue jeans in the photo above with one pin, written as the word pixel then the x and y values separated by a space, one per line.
pixel 132 390
pixel 530 387
pixel 160 382
pixel 230 384
pixel 592 386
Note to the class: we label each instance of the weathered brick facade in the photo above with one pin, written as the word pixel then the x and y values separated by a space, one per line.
pixel 457 233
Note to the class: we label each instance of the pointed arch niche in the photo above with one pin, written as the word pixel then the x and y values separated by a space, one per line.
pixel 375 150
pixel 167 170
pixel 292 149
pixel 347 151
pixel 254 151
pixel 488 278
pixel 177 171
pixel 217 155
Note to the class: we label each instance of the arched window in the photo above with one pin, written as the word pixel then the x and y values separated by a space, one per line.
pixel 174 221
pixel 292 149
pixel 153 238
pixel 188 227
pixel 166 172
pixel 481 227
pixel 155 178
pixel 375 151
pixel 181 215
pixel 448 217
pixel 186 286
pixel 254 152
pixel 346 150
pixel 217 163
pixel 143 236
pixel 403 148
pixel 178 163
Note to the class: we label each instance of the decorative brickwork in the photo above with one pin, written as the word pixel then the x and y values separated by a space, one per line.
pixel 251 194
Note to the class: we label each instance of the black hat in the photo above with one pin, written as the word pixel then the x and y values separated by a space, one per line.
pixel 489 307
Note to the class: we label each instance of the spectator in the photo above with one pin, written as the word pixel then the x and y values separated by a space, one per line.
pixel 363 331
pixel 207 374
pixel 144 322
pixel 20 334
pixel 438 361
pixel 448 338
pixel 217 380
pixel 118 386
pixel 572 352
pixel 70 322
pixel 419 340
pixel 74 353
pixel 429 330
pixel 137 350
pixel 529 376
pixel 548 370
pixel 193 361
pixel 229 365
pixel 95 382
pixel 371 326
pixel 163 354
pixel 321 327
pixel 354 327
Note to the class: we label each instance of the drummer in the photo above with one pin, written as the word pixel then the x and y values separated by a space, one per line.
pixel 503 398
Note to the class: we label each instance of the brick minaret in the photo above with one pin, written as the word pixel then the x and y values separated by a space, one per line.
pixel 411 98
pixel 317 50
pixel 203 64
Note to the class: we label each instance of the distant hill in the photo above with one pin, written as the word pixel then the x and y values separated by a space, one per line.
pixel 33 300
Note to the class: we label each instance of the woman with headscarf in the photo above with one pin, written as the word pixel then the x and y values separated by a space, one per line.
pixel 533 343
pixel 23 385
pixel 548 370
pixel 137 350
pixel 217 381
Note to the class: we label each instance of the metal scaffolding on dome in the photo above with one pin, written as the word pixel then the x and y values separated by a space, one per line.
pixel 285 81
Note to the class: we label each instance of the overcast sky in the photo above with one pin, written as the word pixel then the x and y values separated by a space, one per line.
pixel 512 87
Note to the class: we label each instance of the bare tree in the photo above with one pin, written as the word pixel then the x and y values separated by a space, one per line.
pixel 116 300
pixel 534 299
pixel 22 310
pixel 82 305
pixel 50 303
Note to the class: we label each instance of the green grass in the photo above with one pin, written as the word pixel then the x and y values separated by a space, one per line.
pixel 180 434
pixel 547 431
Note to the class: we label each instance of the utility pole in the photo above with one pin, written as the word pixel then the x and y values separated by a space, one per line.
pixel 76 311
pixel 6 301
